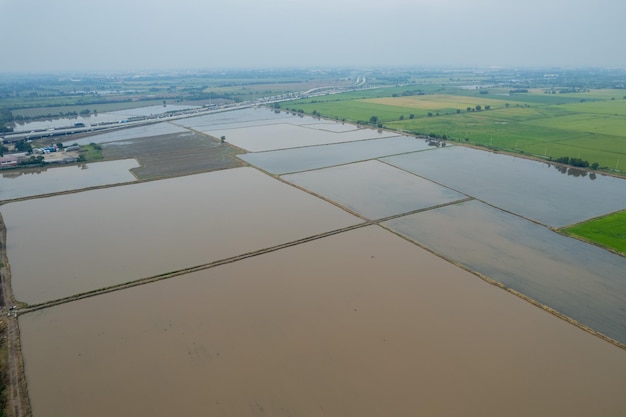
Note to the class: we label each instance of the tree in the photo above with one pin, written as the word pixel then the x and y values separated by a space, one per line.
pixel 223 139
pixel 468 109
pixel 23 146
pixel 487 107
pixel 402 117
pixel 430 114
pixel 411 116
pixel 374 120
pixel 478 108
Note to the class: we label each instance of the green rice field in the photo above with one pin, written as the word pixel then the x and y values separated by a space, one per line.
pixel 608 231
pixel 587 125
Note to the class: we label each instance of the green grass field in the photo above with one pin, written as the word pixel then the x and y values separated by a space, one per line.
pixel 608 231
pixel 586 125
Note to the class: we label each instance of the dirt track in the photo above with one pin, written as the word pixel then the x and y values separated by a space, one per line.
pixel 16 390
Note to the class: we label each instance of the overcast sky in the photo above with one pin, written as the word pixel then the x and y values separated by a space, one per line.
pixel 72 35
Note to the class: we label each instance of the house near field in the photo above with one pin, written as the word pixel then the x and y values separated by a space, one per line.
pixel 8 161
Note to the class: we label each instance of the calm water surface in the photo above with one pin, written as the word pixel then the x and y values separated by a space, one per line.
pixel 114 116
pixel 358 324
pixel 144 131
pixel 314 157
pixel 30 183
pixel 532 189
pixel 109 236
pixel 579 280
pixel 373 189
pixel 287 135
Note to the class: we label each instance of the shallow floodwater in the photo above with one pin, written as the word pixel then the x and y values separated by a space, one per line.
pixel 358 324
pixel 28 183
pixel 236 118
pixel 63 245
pixel 314 157
pixel 532 189
pixel 108 117
pixel 287 135
pixel 373 189
pixel 579 280
pixel 144 131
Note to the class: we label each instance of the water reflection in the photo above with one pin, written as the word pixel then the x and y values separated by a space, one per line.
pixel 579 280
pixel 528 188
pixel 574 172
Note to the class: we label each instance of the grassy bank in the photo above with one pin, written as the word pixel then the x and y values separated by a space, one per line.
pixel 608 231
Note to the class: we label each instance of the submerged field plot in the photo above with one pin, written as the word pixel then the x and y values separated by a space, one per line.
pixel 578 280
pixel 358 324
pixel 28 183
pixel 374 190
pixel 115 235
pixel 535 190
pixel 314 157
pixel 260 295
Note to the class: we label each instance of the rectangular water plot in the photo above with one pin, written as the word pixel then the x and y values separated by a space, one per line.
pixel 64 245
pixel 236 118
pixel 314 157
pixel 579 280
pixel 536 190
pixel 361 323
pixel 144 131
pixel 373 189
pixel 33 182
pixel 287 135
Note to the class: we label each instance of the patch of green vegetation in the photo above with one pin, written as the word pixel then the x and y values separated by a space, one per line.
pixel 608 231
pixel 90 153
pixel 534 123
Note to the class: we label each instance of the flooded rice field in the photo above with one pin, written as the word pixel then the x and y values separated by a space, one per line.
pixel 109 236
pixel 108 117
pixel 33 182
pixel 287 135
pixel 149 130
pixel 314 157
pixel 298 307
pixel 236 119
pixel 362 323
pixel 373 189
pixel 579 280
pixel 535 190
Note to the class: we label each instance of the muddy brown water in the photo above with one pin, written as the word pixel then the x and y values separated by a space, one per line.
pixel 579 280
pixel 68 244
pixel 362 323
pixel 28 183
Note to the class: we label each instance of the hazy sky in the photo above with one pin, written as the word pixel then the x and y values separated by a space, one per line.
pixel 44 35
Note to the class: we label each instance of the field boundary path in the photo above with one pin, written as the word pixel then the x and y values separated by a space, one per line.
pixel 16 388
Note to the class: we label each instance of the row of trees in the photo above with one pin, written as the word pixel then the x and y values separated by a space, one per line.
pixel 576 162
